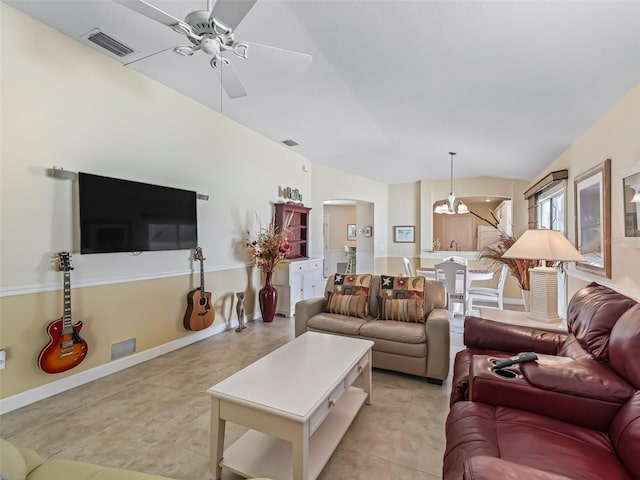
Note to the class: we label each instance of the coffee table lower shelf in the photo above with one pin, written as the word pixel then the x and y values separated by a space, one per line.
pixel 257 454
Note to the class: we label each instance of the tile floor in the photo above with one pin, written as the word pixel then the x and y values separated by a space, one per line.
pixel 154 417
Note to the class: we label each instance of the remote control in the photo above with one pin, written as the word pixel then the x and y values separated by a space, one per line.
pixel 520 358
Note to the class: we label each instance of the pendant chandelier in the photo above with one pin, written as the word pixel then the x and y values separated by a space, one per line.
pixel 451 206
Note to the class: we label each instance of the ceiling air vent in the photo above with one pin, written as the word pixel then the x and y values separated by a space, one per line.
pixel 109 43
pixel 290 143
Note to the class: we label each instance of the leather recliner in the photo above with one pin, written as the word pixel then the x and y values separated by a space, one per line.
pixel 574 413
pixel 591 314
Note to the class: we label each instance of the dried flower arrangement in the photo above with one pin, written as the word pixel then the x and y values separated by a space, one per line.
pixel 271 245
pixel 518 267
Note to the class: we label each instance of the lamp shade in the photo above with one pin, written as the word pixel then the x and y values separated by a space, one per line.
pixel 544 245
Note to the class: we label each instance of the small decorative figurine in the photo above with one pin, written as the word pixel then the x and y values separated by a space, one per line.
pixel 240 311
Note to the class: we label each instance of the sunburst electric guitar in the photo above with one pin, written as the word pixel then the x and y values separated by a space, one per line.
pixel 66 348
pixel 200 313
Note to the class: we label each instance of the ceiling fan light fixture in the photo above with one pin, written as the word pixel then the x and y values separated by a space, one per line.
pixel 241 49
pixel 210 46
pixel 217 61
pixel 184 50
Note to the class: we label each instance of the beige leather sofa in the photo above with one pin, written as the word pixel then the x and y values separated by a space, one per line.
pixel 17 463
pixel 415 348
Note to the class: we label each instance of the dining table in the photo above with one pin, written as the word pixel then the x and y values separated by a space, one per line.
pixel 473 274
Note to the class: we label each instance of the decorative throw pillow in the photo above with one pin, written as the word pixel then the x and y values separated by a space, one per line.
pixel 351 305
pixel 352 284
pixel 404 288
pixel 347 284
pixel 401 309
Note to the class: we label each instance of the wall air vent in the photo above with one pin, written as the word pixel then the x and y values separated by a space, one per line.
pixel 122 349
pixel 290 143
pixel 109 43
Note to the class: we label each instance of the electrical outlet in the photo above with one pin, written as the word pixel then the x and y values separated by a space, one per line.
pixel 3 359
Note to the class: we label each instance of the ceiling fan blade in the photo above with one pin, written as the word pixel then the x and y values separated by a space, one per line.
pixel 231 82
pixel 158 15
pixel 150 11
pixel 287 59
pixel 147 56
pixel 231 12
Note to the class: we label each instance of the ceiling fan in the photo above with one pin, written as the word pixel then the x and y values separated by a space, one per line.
pixel 211 31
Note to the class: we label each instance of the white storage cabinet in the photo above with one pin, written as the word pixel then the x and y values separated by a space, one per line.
pixel 296 281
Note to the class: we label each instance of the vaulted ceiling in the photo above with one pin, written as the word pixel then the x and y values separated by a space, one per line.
pixel 394 85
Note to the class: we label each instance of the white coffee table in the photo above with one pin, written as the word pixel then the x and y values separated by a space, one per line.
pixel 298 402
pixel 518 318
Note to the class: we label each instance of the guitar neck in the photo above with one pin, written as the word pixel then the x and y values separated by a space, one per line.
pixel 67 326
pixel 202 276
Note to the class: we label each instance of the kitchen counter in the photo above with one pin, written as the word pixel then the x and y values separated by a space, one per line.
pixel 439 254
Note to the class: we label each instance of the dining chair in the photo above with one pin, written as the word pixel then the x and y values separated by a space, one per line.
pixel 492 295
pixel 408 269
pixel 447 272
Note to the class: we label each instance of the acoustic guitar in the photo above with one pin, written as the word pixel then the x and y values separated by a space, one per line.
pixel 200 314
pixel 66 348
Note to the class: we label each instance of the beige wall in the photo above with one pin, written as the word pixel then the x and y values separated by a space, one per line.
pixel 404 209
pixel 330 184
pixel 150 311
pixel 616 136
pixel 340 217
pixel 65 104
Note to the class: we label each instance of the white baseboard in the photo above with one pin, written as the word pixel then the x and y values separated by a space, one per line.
pixel 58 386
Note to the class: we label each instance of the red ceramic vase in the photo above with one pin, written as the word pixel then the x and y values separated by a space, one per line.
pixel 268 297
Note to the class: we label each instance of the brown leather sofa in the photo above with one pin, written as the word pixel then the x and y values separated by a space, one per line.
pixel 414 348
pixel 573 413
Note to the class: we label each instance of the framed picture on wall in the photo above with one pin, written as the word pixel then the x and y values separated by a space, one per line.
pixel 368 231
pixel 351 231
pixel 593 219
pixel 404 234
pixel 631 198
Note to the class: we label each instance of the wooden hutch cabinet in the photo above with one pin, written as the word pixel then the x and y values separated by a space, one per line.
pixel 302 277
pixel 298 227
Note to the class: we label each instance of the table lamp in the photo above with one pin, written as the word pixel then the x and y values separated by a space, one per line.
pixel 544 245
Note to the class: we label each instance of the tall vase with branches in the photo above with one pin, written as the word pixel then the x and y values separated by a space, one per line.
pixel 269 250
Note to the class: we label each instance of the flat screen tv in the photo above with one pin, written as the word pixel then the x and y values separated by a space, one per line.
pixel 124 216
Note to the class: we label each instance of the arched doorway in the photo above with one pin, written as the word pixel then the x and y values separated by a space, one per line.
pixel 348 223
